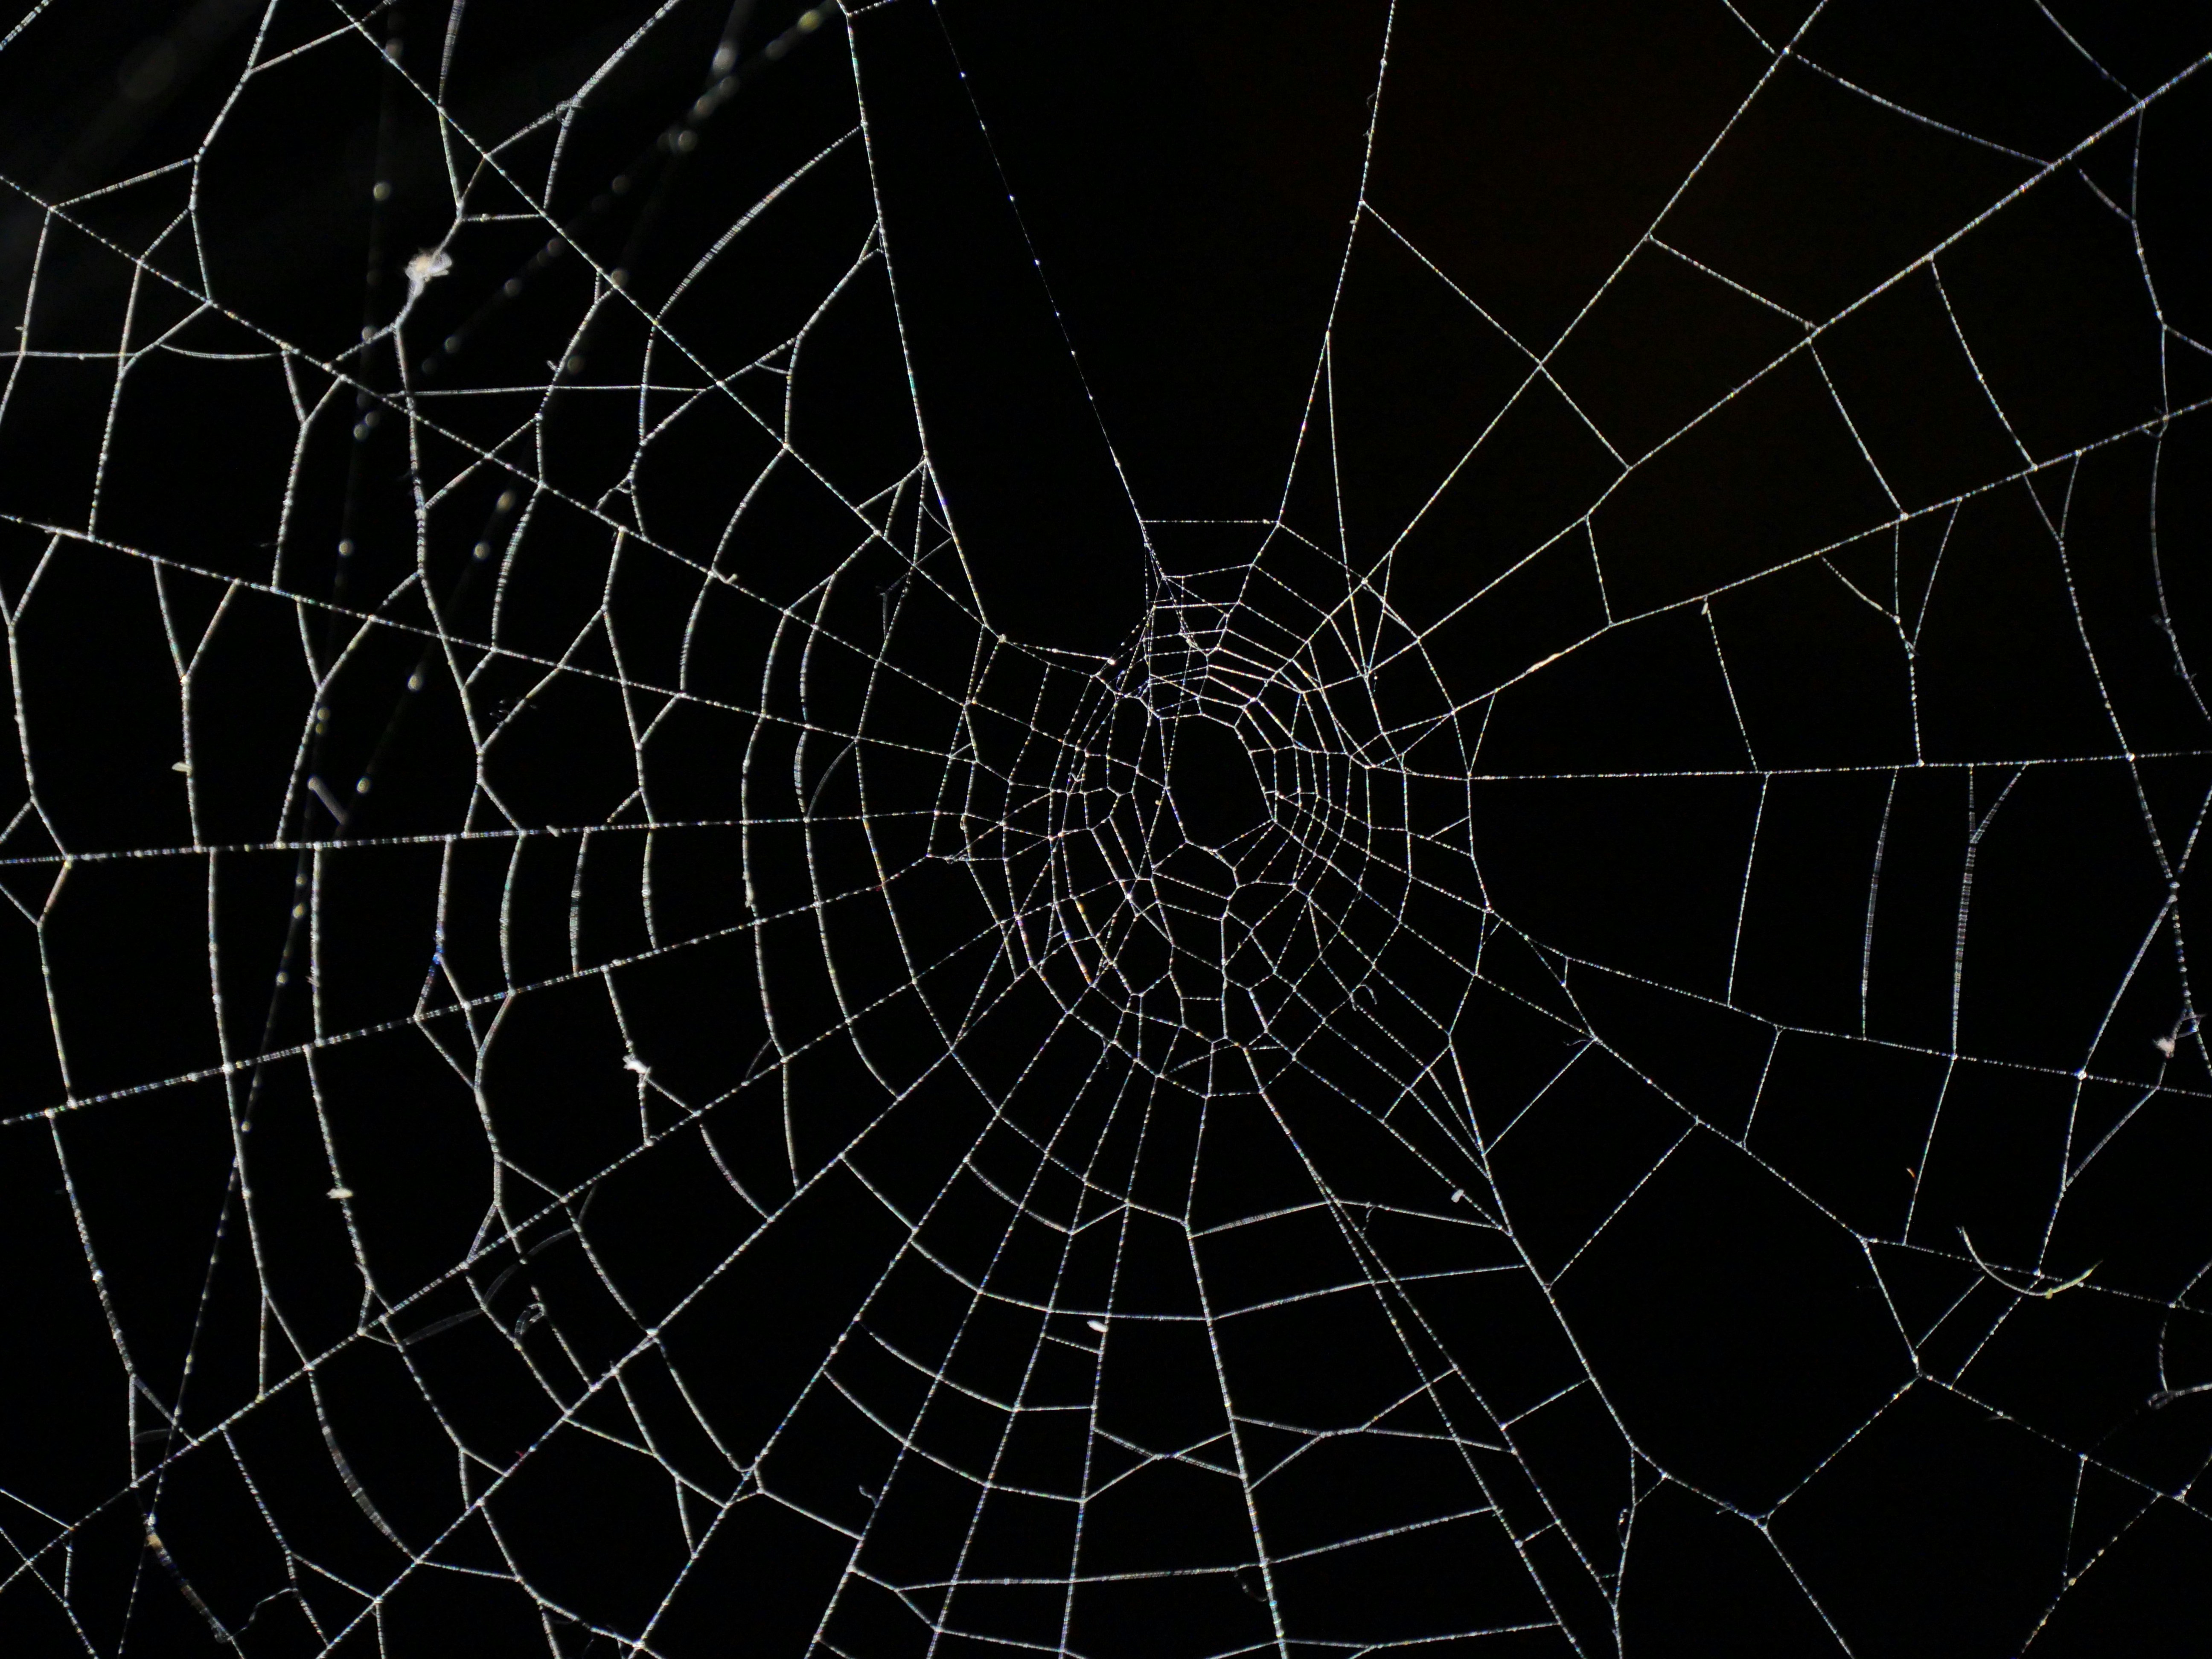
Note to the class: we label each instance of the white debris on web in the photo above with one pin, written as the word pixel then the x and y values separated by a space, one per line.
pixel 425 268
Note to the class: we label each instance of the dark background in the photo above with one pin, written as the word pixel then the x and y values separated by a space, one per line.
pixel 1574 1152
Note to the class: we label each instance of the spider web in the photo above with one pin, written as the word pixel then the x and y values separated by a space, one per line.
pixel 637 1026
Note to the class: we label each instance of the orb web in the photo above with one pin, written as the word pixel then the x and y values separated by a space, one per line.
pixel 1572 1033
